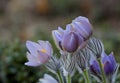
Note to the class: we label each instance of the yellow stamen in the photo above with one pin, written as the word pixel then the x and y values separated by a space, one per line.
pixel 43 50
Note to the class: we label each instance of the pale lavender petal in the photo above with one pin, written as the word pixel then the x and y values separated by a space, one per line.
pixel 32 60
pixel 32 47
pixel 42 44
pixel 43 81
pixel 57 35
pixel 50 78
pixel 49 48
pixel 87 27
pixel 43 57
pixel 57 38
pixel 60 30
pixel 70 28
pixel 81 29
pixel 34 64
pixel 47 79
pixel 81 19
pixel 45 45
pixel 31 57
pixel 84 25
pixel 70 42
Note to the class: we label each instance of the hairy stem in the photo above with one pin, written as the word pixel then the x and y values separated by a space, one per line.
pixel 102 71
pixel 86 75
pixel 60 77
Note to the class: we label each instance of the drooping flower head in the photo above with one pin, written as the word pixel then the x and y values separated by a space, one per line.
pixel 38 53
pixel 74 36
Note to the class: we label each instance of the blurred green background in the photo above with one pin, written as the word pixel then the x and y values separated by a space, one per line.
pixel 22 20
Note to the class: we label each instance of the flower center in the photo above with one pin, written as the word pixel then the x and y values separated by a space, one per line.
pixel 43 50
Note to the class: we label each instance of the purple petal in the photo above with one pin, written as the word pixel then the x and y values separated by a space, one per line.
pixel 47 79
pixel 70 28
pixel 50 79
pixel 87 26
pixel 109 63
pixel 70 42
pixel 43 57
pixel 60 30
pixel 42 44
pixel 34 64
pixel 31 57
pixel 104 58
pixel 57 38
pixel 81 29
pixel 95 67
pixel 49 48
pixel 108 68
pixel 81 19
pixel 84 25
pixel 32 47
pixel 112 59
pixel 32 61
pixel 45 45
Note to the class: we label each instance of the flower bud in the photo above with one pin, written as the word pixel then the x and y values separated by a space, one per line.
pixel 70 42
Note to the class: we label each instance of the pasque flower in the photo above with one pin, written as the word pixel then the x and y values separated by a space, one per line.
pixel 39 53
pixel 109 65
pixel 74 36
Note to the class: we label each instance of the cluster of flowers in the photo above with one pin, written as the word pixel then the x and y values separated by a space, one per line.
pixel 78 50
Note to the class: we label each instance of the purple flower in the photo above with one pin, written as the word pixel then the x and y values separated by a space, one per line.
pixel 39 53
pixel 74 36
pixel 95 69
pixel 109 65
